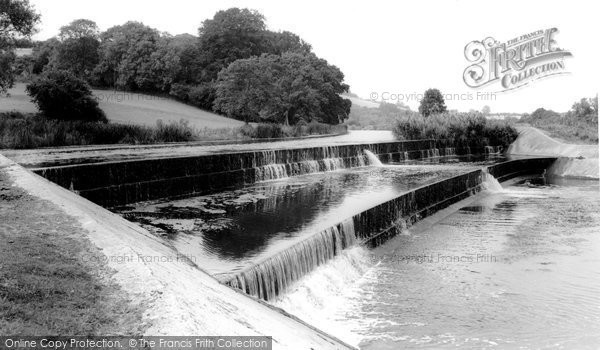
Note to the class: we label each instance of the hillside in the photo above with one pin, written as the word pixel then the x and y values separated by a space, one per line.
pixel 131 108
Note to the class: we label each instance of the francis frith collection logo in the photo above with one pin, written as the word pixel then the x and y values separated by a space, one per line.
pixel 516 62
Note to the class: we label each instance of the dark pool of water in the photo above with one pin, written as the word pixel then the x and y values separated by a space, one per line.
pixel 227 231
pixel 516 269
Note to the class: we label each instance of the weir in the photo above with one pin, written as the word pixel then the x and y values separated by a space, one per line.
pixel 118 183
pixel 269 277
pixel 295 221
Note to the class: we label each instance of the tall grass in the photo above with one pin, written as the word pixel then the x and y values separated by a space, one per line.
pixel 274 131
pixel 19 130
pixel 463 129
pixel 32 131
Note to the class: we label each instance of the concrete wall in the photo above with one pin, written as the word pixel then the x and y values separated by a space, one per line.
pixel 378 224
pixel 118 183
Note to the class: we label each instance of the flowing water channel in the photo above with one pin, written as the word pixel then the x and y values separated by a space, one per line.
pixel 515 267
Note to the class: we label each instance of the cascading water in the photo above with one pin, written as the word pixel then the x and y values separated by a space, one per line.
pixel 319 296
pixel 271 277
pixel 449 151
pixel 268 166
pixel 490 183
pixel 373 160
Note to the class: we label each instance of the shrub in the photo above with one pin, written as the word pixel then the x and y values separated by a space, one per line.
pixel 269 131
pixel 466 129
pixel 61 95
pixel 33 131
pixel 181 92
pixel 314 128
pixel 202 96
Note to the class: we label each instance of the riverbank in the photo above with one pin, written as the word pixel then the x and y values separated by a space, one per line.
pixel 34 131
pixel 154 288
pixel 575 161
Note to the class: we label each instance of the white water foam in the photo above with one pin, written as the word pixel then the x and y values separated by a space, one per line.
pixel 320 297
pixel 490 183
pixel 373 159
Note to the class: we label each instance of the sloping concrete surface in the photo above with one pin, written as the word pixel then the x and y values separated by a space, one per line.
pixel 181 298
pixel 575 161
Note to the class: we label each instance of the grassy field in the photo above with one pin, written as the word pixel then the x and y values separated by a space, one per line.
pixel 132 108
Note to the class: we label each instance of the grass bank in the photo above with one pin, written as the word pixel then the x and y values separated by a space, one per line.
pixel 467 129
pixel 25 131
pixel 53 281
pixel 569 127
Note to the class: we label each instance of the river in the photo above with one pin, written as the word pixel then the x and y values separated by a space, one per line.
pixel 513 267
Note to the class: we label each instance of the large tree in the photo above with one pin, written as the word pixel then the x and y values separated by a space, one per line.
pixel 17 20
pixel 126 57
pixel 77 49
pixel 230 35
pixel 432 103
pixel 244 88
pixel 283 89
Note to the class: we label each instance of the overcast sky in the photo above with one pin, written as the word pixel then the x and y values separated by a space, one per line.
pixel 393 47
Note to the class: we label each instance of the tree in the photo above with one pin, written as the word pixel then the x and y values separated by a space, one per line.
pixel 283 89
pixel 230 35
pixel 126 57
pixel 486 110
pixel 42 53
pixel 244 88
pixel 79 28
pixel 77 48
pixel 278 43
pixel 432 103
pixel 586 109
pixel 61 95
pixel 17 19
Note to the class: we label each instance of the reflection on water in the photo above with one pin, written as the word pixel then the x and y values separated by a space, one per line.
pixel 513 269
pixel 227 231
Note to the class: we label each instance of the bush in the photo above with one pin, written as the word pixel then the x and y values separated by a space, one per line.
pixel 33 131
pixel 61 95
pixel 181 92
pixel 579 125
pixel 269 131
pixel 202 96
pixel 465 129
pixel 275 131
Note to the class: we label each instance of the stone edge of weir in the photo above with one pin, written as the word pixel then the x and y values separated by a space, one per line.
pixel 177 296
pixel 112 184
pixel 272 275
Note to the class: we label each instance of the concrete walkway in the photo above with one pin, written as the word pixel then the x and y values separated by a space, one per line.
pixel 168 293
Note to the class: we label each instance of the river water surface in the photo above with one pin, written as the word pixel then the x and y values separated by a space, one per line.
pixel 512 268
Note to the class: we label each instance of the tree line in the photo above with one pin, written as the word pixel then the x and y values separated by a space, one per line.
pixel 235 66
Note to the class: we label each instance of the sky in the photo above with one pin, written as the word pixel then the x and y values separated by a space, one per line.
pixel 392 50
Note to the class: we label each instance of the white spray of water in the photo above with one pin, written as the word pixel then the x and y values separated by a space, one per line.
pixel 320 297
pixel 373 159
pixel 490 183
